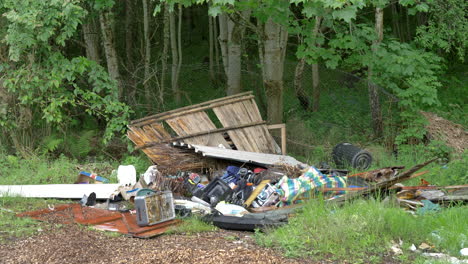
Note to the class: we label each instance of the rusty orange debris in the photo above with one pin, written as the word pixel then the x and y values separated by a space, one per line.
pixel 101 219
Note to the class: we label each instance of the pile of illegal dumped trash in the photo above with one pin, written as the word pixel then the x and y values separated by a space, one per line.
pixel 228 169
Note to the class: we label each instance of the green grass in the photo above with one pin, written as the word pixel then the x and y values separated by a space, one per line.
pixel 362 231
pixel 36 170
pixel 190 226
pixel 13 227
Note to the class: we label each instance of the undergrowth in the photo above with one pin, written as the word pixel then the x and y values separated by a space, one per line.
pixel 362 231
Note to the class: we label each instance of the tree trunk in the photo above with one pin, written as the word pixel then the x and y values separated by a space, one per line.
pixel 211 48
pixel 91 38
pixel 106 21
pixel 176 60
pixel 147 58
pixel 408 29
pixel 315 71
pixel 129 34
pixel 395 23
pixel 129 52
pixel 5 97
pixel 164 54
pixel 223 41
pixel 234 59
pixel 273 54
pixel 374 102
pixel 215 34
pixel 179 51
pixel 231 35
pixel 298 87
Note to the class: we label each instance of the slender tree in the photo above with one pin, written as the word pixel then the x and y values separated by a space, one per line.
pixel 211 47
pixel 315 70
pixel 272 54
pixel 166 36
pixel 374 100
pixel 147 56
pixel 106 21
pixel 129 52
pixel 176 50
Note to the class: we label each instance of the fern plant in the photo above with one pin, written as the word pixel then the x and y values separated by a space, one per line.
pixel 79 145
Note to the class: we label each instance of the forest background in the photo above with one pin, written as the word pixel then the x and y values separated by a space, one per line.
pixel 73 73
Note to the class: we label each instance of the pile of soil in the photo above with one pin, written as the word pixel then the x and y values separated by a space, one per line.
pixel 454 135
pixel 76 244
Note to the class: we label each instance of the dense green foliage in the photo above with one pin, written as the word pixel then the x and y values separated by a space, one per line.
pixel 42 79
pixel 46 81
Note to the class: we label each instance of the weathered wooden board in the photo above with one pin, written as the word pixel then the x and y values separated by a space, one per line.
pixel 194 123
pixel 238 114
pixel 252 139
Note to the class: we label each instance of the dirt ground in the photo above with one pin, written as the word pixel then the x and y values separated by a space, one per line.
pixel 75 244
pixel 454 135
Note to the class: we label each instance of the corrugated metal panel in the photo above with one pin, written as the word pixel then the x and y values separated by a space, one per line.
pixel 244 156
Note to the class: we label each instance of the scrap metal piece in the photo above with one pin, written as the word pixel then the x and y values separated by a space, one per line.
pixel 379 186
pixel 124 223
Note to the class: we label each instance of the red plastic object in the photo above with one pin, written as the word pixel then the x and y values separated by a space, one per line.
pixel 101 219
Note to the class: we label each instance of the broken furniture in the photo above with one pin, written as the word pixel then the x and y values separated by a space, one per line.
pixel 233 122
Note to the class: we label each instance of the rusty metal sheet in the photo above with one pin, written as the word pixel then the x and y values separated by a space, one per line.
pixel 101 219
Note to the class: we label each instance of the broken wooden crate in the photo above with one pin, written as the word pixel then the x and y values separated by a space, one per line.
pixel 232 122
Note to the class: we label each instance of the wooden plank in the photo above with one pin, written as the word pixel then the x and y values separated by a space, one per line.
pixel 252 139
pixel 140 133
pixel 238 138
pixel 165 115
pixel 135 138
pixel 151 133
pixel 218 130
pixel 282 127
pixel 158 128
pixel 266 142
pixel 198 122
pixel 182 109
